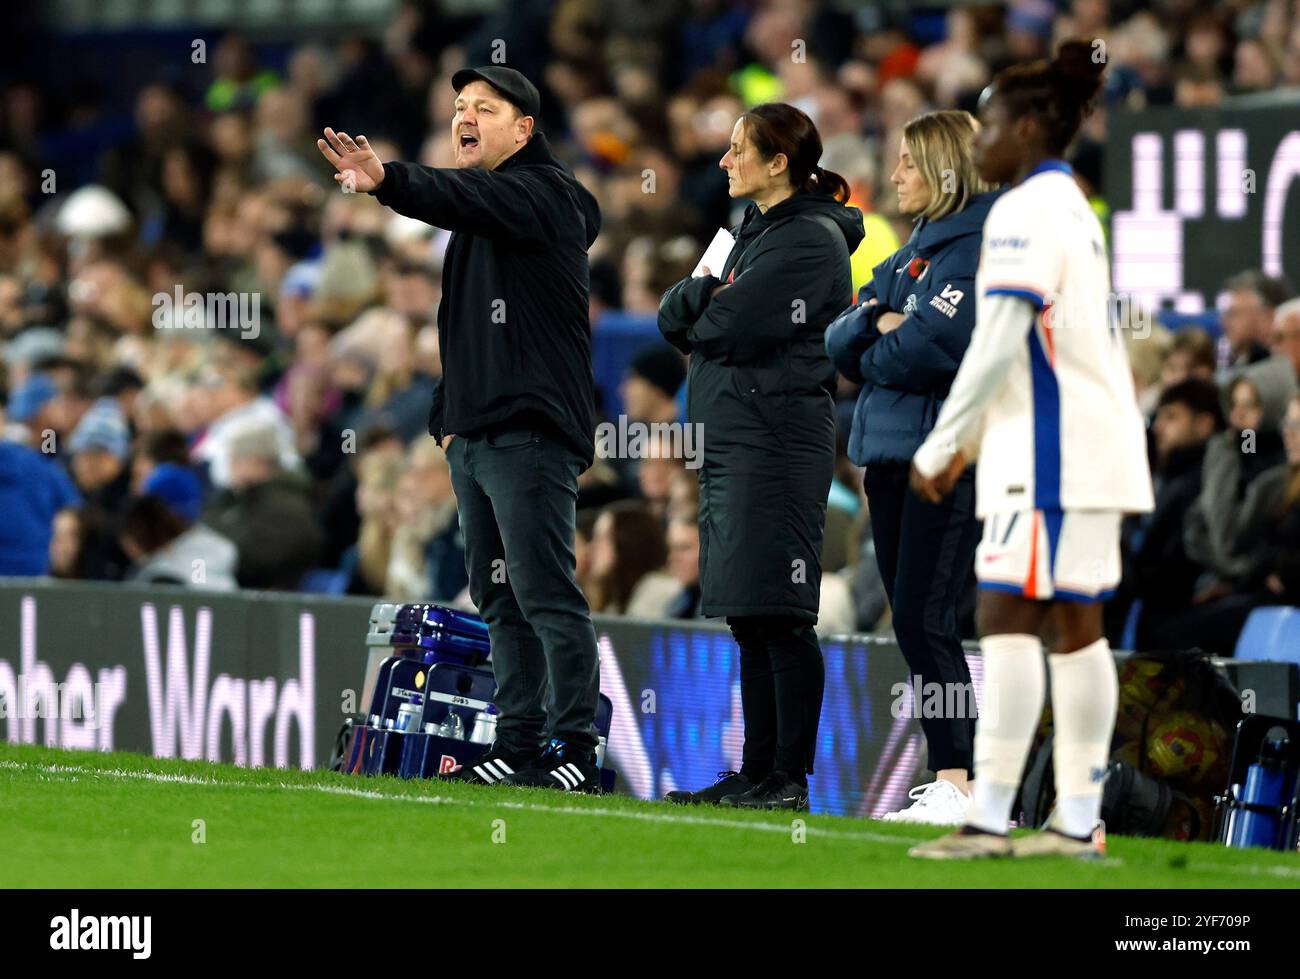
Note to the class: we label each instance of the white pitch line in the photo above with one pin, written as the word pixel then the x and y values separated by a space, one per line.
pixel 1249 870
pixel 121 773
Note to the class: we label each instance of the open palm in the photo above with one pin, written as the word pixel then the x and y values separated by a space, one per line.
pixel 359 168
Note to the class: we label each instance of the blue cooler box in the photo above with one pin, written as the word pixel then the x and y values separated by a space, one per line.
pixel 429 698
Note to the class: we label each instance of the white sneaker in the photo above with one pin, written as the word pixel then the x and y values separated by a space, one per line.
pixel 937 804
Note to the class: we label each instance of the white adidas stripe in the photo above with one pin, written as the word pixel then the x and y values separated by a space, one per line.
pixel 573 770
pixel 494 771
pixel 563 777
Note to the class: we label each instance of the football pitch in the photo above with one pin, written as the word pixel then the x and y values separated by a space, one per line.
pixel 86 819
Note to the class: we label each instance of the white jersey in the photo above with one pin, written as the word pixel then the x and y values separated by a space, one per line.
pixel 1050 411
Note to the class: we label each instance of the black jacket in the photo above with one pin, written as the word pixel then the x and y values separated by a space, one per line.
pixel 760 386
pixel 513 322
pixel 1161 573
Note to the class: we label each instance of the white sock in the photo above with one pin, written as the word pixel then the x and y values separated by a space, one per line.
pixel 1014 684
pixel 1085 694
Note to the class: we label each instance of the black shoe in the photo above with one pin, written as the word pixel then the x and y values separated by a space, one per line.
pixel 493 766
pixel 728 783
pixel 777 791
pixel 562 766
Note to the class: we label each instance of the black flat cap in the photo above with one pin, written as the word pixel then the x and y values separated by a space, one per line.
pixel 511 84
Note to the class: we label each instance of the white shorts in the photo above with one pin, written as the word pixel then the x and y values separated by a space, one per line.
pixel 1051 554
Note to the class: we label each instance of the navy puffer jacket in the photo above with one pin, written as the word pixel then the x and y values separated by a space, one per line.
pixel 905 374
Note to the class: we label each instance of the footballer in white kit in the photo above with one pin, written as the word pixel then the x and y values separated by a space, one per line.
pixel 1052 416
pixel 1044 399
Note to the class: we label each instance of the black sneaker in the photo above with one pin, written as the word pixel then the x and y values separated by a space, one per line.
pixel 728 783
pixel 562 766
pixel 493 766
pixel 777 791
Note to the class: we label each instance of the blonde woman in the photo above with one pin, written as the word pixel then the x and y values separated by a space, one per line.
pixel 903 342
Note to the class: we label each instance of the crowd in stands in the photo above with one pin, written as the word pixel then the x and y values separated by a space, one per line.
pixel 276 438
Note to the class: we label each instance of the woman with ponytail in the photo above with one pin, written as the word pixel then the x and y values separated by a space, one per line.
pixel 760 389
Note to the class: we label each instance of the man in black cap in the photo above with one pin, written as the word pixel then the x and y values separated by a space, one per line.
pixel 514 410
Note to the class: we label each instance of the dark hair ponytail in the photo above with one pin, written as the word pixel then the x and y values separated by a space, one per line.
pixel 774 127
pixel 829 182
pixel 1059 93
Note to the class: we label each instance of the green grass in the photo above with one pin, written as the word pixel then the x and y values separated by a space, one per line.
pixel 83 819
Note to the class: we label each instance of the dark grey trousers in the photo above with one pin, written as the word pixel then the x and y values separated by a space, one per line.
pixel 517 493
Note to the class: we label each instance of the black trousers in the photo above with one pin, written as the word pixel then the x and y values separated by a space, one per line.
pixel 516 492
pixel 782 678
pixel 926 554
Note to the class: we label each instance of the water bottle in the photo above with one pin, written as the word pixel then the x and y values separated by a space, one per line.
pixel 1265 786
pixel 485 726
pixel 601 741
pixel 408 716
pixel 453 727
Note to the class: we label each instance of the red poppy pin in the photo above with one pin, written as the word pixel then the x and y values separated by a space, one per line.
pixel 916 266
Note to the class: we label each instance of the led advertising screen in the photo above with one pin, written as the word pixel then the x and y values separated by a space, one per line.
pixel 1197 196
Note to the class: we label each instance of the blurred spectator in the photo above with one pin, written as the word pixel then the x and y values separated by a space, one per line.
pixel 649 389
pixel 99 447
pixel 655 473
pixel 1286 332
pixel 684 495
pixel 684 566
pixel 1196 87
pixel 1278 539
pixel 240 81
pixel 166 445
pixel 265 510
pixel 233 400
pixel 855 160
pixel 1267 543
pixel 78 543
pixel 1252 444
pixel 34 489
pixel 628 552
pixel 1252 298
pixel 1158 571
pixel 1147 356
pixel 1190 355
pixel 339 514
pixel 27 408
pixel 427 562
pixel 379 474
pixel 164 540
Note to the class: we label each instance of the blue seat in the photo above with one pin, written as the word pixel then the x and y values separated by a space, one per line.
pixel 1271 633
pixel 325 581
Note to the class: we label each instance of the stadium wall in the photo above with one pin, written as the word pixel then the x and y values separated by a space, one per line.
pixel 263 678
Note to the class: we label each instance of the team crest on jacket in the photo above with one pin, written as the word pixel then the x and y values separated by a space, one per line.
pixel 910 306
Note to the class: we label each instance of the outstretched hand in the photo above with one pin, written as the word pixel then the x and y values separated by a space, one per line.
pixel 359 168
